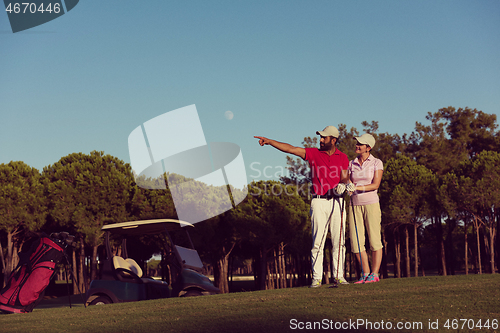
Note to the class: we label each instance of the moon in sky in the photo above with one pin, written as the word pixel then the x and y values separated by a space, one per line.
pixel 229 115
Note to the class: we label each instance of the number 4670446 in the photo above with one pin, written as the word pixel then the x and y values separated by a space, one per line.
pixel 27 8
pixel 471 324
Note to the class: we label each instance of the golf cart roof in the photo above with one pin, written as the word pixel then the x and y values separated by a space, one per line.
pixel 146 226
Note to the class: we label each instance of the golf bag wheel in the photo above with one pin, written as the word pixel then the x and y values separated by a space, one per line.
pixel 100 300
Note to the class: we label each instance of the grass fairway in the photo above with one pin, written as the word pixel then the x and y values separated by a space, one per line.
pixel 411 302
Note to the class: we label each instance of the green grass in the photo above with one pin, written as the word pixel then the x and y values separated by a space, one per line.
pixel 410 301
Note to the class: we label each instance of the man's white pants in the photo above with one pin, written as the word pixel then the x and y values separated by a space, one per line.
pixel 321 212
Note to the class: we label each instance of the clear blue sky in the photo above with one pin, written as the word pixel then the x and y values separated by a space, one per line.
pixel 285 69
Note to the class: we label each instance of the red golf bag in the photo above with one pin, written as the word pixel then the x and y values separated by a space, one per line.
pixel 27 283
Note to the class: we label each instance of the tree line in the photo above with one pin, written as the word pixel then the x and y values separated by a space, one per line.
pixel 439 196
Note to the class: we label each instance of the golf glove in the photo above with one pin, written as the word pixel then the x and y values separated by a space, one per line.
pixel 340 189
pixel 351 187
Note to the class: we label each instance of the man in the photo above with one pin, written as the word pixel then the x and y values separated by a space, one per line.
pixel 329 175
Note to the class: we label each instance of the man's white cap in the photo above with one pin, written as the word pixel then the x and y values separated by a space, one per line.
pixel 329 131
pixel 366 139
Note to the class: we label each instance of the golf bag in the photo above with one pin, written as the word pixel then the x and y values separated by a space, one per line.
pixel 27 283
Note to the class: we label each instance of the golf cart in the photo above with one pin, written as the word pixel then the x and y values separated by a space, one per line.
pixel 121 279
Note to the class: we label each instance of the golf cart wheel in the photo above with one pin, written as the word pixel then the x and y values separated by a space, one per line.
pixel 100 300
pixel 192 293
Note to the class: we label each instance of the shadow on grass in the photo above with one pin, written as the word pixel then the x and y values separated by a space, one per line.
pixel 61 302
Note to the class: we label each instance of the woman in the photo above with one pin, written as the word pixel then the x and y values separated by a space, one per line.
pixel 365 173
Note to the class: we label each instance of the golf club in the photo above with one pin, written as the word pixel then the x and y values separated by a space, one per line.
pixel 336 280
pixel 359 248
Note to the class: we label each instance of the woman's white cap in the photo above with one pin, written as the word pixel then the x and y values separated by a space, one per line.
pixel 366 139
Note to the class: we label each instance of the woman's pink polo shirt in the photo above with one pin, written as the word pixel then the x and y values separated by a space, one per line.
pixel 363 175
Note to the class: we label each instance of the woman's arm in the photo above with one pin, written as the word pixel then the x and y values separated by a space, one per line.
pixel 377 178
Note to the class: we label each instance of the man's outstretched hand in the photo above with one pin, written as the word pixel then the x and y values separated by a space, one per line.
pixel 262 140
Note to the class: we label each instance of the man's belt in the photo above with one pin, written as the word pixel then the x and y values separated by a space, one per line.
pixel 325 196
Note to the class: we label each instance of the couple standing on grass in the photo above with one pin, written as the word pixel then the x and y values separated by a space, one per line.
pixel 332 174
